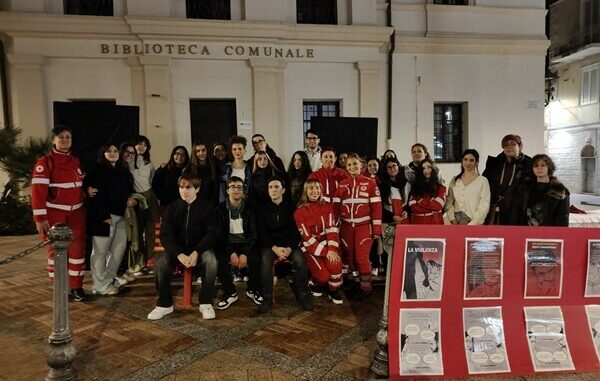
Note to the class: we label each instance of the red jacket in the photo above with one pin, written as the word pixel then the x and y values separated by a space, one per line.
pixel 358 202
pixel 56 184
pixel 316 224
pixel 330 179
pixel 428 209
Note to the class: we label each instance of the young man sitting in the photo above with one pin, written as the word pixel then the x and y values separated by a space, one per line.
pixel 189 232
pixel 278 238
pixel 237 244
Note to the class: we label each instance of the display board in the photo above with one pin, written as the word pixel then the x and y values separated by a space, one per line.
pixel 497 299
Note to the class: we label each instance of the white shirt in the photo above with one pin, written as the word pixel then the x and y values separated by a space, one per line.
pixel 473 199
pixel 142 175
pixel 314 158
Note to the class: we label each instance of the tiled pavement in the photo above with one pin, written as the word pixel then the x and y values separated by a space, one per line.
pixel 115 341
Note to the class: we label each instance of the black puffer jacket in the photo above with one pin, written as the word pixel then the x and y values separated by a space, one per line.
pixel 503 196
pixel 541 204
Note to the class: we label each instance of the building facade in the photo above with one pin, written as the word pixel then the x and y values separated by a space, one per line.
pixel 573 110
pixel 462 73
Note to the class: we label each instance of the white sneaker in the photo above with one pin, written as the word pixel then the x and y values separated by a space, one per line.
pixel 129 277
pixel 121 280
pixel 207 311
pixel 159 312
pixel 199 280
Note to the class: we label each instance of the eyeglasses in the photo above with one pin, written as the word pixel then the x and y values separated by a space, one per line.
pixel 392 166
pixel 258 141
pixel 129 153
pixel 179 154
pixel 312 138
pixel 236 187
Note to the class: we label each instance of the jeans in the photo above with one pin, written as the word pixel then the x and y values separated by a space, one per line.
pixel 266 267
pixel 107 253
pixel 225 270
pixel 207 261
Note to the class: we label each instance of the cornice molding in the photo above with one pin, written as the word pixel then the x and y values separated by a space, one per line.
pixel 470 45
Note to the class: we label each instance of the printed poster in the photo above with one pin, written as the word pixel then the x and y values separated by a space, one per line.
pixel 592 279
pixel 483 268
pixel 485 346
pixel 423 269
pixel 547 339
pixel 593 315
pixel 420 342
pixel 543 272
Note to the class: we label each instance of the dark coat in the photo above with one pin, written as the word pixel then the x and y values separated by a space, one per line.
pixel 208 183
pixel 554 205
pixel 114 185
pixel 249 224
pixel 188 227
pixel 276 225
pixel 503 196
pixel 164 184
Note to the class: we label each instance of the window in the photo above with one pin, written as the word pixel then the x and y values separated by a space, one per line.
pixel 324 108
pixel 451 2
pixel 316 12
pixel 589 84
pixel 448 131
pixel 88 7
pixel 208 9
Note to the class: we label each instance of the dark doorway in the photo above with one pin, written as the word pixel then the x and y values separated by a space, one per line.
pixel 212 120
pixel 96 123
pixel 348 134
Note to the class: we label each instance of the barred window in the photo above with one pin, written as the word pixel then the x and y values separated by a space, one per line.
pixel 448 131
pixel 318 108
pixel 89 7
pixel 208 9
pixel 316 12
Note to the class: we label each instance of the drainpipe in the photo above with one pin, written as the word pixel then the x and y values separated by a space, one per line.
pixel 4 84
pixel 390 75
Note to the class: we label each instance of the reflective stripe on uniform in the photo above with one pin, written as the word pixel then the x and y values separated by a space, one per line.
pixel 76 184
pixel 68 208
pixel 39 212
pixel 40 180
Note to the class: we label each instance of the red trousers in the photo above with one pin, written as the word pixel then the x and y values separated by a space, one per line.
pixel 76 255
pixel 356 243
pixel 324 271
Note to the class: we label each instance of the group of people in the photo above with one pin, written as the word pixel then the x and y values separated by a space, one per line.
pixel 330 215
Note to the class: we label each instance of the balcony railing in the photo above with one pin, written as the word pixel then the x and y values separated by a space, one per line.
pixel 576 42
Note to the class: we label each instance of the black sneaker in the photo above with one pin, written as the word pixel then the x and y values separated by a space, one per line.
pixel 335 296
pixel 265 306
pixel 255 296
pixel 315 289
pixel 78 295
pixel 227 300
pixel 307 303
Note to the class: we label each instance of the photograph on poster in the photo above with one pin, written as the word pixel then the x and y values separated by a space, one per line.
pixel 592 279
pixel 547 339
pixel 543 268
pixel 423 269
pixel 483 268
pixel 420 342
pixel 485 347
pixel 593 315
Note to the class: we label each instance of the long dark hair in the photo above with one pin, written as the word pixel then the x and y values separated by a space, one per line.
pixel 304 170
pixel 423 185
pixel 387 183
pixel 142 139
pixel 194 163
pixel 101 159
pixel 468 151
pixel 171 163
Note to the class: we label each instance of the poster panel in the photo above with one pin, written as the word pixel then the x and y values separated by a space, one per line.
pixel 423 269
pixel 547 339
pixel 485 346
pixel 420 342
pixel 543 268
pixel 592 279
pixel 483 268
pixel 593 316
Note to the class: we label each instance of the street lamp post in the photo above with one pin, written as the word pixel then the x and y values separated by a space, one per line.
pixel 60 352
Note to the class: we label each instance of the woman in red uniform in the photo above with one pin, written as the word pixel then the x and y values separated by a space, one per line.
pixel 56 196
pixel 316 223
pixel 428 196
pixel 358 203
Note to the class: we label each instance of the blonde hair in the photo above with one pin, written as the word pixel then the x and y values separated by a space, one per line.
pixel 304 197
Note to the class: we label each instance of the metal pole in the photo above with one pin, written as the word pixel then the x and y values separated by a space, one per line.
pixel 380 364
pixel 61 352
